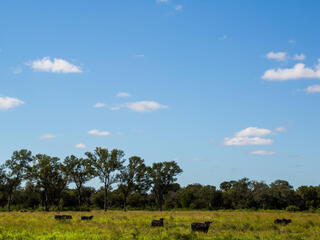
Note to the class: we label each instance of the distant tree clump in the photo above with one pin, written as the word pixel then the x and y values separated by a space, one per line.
pixel 45 182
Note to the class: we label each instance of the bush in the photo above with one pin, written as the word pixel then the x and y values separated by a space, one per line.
pixel 292 208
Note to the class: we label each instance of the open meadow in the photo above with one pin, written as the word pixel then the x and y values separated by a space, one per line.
pixel 136 225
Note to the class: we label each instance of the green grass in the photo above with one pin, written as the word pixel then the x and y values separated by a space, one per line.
pixel 136 225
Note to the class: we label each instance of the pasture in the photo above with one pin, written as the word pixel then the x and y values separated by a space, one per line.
pixel 137 225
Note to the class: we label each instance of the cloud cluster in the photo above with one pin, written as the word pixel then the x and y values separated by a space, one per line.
pixel 99 105
pixel 278 56
pixel 298 71
pixel 262 153
pixel 80 145
pixel 47 136
pixel 283 56
pixel 98 133
pixel 56 66
pixel 250 136
pixel 9 102
pixel 313 89
pixel 144 106
pixel 123 94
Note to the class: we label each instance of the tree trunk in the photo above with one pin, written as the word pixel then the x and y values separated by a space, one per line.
pixel 160 202
pixel 125 203
pixel 79 198
pixel 105 198
pixel 9 202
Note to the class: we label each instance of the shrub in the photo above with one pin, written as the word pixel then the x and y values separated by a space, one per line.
pixel 292 208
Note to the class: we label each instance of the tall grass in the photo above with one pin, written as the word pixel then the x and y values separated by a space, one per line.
pixel 136 225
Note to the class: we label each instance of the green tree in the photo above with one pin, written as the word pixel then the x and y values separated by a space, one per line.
pixel 309 195
pixel 132 177
pixel 162 175
pixel 47 172
pixel 106 164
pixel 78 171
pixel 15 171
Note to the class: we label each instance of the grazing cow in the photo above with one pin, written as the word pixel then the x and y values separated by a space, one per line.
pixel 86 217
pixel 62 217
pixel 157 223
pixel 200 227
pixel 282 221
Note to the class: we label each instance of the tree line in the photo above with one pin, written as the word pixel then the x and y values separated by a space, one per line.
pixel 43 182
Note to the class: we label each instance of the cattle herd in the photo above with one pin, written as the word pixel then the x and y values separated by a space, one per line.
pixel 195 227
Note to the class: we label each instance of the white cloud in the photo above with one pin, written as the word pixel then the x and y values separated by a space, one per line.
pixel 313 89
pixel 279 56
pixel 253 132
pixel 178 8
pixel 262 153
pixel 98 133
pixel 56 66
pixel 9 102
pixel 144 106
pixel 123 94
pixel 80 145
pixel 281 129
pixel 99 105
pixel 47 136
pixel 245 141
pixel 298 71
pixel 162 1
pixel 249 136
pixel 115 108
pixel 299 57
pixel 175 159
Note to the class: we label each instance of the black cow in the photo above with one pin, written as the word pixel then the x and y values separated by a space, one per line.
pixel 200 227
pixel 62 217
pixel 86 217
pixel 157 223
pixel 282 221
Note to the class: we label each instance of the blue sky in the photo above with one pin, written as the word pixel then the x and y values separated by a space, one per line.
pixel 228 89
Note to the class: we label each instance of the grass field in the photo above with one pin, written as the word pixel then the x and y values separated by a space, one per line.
pixel 136 225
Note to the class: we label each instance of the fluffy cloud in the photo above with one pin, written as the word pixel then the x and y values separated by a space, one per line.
pixel 298 71
pixel 279 56
pixel 250 136
pixel 253 132
pixel 9 102
pixel 123 94
pixel 313 89
pixel 144 106
pixel 80 145
pixel 299 57
pixel 99 105
pixel 98 133
pixel 178 8
pixel 47 136
pixel 162 1
pixel 56 66
pixel 262 153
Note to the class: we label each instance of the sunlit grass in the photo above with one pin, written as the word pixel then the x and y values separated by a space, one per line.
pixel 136 225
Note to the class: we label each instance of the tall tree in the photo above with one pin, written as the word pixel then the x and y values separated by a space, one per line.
pixel 106 164
pixel 162 175
pixel 48 174
pixel 132 177
pixel 15 171
pixel 79 171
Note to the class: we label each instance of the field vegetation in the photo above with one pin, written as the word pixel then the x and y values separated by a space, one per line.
pixel 233 225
